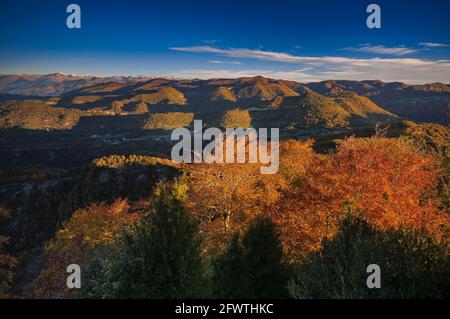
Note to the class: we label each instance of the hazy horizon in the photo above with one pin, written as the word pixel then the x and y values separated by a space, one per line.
pixel 309 42
pixel 206 79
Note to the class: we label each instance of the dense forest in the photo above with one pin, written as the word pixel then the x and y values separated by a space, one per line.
pixel 86 179
pixel 210 159
pixel 143 227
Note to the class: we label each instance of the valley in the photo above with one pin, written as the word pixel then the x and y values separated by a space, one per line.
pixel 83 124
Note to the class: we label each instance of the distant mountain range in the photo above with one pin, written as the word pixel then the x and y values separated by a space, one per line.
pixel 54 83
pixel 327 104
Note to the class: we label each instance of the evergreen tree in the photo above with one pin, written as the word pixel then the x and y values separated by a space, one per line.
pixel 412 264
pixel 160 259
pixel 228 277
pixel 252 267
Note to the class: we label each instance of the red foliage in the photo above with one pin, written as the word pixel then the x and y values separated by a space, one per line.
pixel 383 179
pixel 87 229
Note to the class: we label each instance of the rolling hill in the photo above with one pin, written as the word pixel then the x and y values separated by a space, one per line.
pixel 328 104
pixel 423 103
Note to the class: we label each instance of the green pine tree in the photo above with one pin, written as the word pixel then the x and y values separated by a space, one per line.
pixel 159 259
pixel 252 267
pixel 412 264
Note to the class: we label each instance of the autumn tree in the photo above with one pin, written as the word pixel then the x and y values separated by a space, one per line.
pixel 384 178
pixel 434 140
pixel 252 267
pixel 80 237
pixel 225 197
pixel 295 157
pixel 220 189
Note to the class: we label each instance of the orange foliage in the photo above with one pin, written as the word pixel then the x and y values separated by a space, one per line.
pixel 295 157
pixel 383 179
pixel 224 197
pixel 87 229
pixel 221 197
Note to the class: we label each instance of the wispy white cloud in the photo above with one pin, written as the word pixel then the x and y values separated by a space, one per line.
pixel 328 67
pixel 224 62
pixel 381 49
pixel 433 44
pixel 243 53
pixel 279 56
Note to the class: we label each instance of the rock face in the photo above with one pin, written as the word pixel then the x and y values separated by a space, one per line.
pixel 40 207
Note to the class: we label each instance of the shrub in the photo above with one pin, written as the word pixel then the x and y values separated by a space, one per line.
pixel 116 161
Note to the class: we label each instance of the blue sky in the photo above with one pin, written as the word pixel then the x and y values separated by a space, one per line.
pixel 296 40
